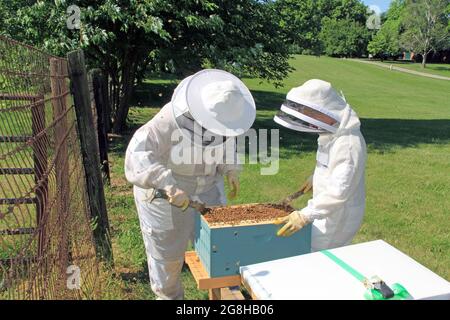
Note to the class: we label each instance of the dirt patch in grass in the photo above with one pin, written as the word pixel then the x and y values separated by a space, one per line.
pixel 119 182
pixel 246 214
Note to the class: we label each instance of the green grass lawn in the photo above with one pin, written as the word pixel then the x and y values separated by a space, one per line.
pixel 406 123
pixel 439 69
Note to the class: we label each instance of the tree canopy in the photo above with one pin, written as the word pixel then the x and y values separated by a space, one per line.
pixel 303 22
pixel 125 38
pixel 426 26
pixel 421 26
pixel 387 41
pixel 344 38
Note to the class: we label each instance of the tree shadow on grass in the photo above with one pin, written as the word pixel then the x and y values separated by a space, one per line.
pixel 384 134
pixel 440 68
pixel 140 276
pixel 155 94
pixel 381 135
pixel 118 144
pixel 266 100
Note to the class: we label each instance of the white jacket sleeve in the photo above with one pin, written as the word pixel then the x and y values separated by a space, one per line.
pixel 346 165
pixel 145 166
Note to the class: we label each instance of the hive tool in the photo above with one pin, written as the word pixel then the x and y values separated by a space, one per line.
pixel 162 194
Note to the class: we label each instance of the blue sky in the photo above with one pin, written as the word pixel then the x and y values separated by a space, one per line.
pixel 382 4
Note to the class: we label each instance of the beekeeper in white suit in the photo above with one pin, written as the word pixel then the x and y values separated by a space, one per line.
pixel 336 209
pixel 206 109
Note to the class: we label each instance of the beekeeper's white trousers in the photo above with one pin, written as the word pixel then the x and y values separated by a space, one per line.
pixel 164 270
pixel 166 231
pixel 165 248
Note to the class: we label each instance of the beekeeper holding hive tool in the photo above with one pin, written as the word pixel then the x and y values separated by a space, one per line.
pixel 337 207
pixel 206 110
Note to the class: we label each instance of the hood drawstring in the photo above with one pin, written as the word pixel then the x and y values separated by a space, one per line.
pixel 342 96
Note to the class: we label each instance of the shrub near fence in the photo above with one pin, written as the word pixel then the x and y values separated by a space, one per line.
pixel 47 243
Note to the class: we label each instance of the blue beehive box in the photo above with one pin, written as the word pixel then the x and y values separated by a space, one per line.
pixel 224 249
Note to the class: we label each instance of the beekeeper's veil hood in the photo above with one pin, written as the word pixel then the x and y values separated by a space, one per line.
pixel 215 100
pixel 316 107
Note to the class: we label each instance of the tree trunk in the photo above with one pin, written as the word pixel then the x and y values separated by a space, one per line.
pixel 424 60
pixel 126 83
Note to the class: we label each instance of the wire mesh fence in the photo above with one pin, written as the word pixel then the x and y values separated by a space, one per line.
pixel 46 244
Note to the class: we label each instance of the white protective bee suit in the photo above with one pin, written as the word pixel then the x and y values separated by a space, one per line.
pixel 149 163
pixel 338 203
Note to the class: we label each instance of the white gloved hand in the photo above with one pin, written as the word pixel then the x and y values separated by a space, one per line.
pixel 292 223
pixel 233 184
pixel 177 197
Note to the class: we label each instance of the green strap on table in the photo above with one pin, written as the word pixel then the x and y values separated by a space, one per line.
pixel 400 293
pixel 344 265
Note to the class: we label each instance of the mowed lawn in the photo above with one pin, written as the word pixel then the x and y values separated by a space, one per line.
pixel 406 123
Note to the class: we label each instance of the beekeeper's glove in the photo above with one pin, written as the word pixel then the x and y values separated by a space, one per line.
pixel 177 197
pixel 233 183
pixel 292 223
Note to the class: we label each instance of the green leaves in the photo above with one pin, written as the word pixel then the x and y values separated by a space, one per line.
pixel 425 23
pixel 302 22
pixel 387 40
pixel 126 38
pixel 343 37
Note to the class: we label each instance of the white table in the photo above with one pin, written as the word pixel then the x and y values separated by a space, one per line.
pixel 316 276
